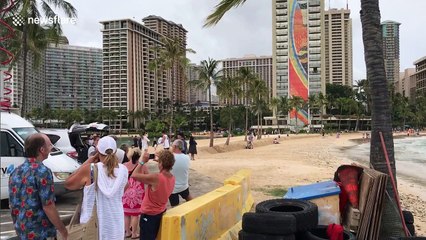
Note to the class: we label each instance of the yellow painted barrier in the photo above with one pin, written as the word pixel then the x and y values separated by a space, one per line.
pixel 242 178
pixel 206 217
pixel 232 234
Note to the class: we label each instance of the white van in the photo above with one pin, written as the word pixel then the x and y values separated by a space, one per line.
pixel 14 131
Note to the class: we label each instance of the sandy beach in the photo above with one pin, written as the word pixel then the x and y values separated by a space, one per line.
pixel 297 160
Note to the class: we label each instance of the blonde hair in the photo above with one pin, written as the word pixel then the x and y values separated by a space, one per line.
pixel 111 162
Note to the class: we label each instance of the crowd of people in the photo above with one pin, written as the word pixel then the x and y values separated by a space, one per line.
pixel 127 199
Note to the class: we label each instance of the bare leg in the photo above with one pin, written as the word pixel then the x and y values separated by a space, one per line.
pixel 127 231
pixel 134 222
pixel 189 198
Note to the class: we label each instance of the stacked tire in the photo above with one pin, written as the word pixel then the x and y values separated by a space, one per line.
pixel 284 219
pixel 279 219
pixel 409 222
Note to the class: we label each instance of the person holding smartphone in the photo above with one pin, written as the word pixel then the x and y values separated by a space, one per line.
pixel 108 189
pixel 160 186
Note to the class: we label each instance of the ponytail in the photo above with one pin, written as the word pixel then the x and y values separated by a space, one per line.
pixel 111 162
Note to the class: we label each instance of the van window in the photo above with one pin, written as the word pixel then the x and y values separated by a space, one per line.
pixel 25 132
pixel 10 147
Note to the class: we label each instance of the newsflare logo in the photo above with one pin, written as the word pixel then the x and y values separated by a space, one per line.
pixel 18 20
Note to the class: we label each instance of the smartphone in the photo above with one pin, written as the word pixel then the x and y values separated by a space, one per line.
pixel 152 156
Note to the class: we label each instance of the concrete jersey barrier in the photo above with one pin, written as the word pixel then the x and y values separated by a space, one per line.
pixel 215 215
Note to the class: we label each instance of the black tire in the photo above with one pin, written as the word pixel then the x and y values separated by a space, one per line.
pixel 305 212
pixel 408 238
pixel 268 223
pixel 320 233
pixel 242 235
pixel 411 229
pixel 408 217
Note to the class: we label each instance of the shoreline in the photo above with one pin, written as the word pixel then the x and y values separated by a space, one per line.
pixel 298 160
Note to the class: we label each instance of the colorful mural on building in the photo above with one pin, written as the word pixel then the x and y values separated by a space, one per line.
pixel 298 57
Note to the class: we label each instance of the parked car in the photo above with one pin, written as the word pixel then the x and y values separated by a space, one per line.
pixel 61 140
pixel 14 131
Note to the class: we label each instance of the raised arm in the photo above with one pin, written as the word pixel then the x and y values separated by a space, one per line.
pixel 81 176
pixel 141 173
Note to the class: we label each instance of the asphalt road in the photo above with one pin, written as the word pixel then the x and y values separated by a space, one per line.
pixel 66 205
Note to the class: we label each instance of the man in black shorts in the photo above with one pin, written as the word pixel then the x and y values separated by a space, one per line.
pixel 181 172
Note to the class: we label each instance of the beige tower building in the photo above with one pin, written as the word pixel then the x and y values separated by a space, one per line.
pixel 171 30
pixel 194 94
pixel 261 66
pixel 298 55
pixel 406 85
pixel 420 75
pixel 338 46
pixel 127 82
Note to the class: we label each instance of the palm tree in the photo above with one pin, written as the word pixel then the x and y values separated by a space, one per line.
pixel 258 91
pixel 273 105
pixel 208 75
pixel 312 104
pixel 381 121
pixel 296 103
pixel 284 106
pixel 171 57
pixel 322 103
pixel 228 88
pixel 341 104
pixel 246 78
pixel 34 38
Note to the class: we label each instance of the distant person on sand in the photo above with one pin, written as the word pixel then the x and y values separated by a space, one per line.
pixel 192 147
pixel 275 141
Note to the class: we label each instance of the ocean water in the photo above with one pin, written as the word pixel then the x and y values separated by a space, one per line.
pixel 410 157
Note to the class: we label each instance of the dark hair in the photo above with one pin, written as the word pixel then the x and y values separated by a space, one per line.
pixel 124 147
pixel 33 144
pixel 167 159
pixel 135 157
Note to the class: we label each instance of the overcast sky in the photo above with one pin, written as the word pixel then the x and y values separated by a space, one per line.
pixel 245 30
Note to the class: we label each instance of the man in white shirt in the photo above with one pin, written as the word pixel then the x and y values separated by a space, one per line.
pixel 181 172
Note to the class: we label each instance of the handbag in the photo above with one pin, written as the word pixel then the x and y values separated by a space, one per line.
pixel 90 229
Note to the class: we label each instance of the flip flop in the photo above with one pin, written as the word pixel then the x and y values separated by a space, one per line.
pixel 137 237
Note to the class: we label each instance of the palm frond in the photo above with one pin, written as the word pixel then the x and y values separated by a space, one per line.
pixel 220 9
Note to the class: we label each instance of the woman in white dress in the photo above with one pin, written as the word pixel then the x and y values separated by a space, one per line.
pixel 111 183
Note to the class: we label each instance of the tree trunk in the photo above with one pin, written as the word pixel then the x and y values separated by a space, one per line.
pixel 173 99
pixel 321 116
pixel 297 127
pixel 229 126
pixel 24 75
pixel 245 137
pixel 380 110
pixel 211 117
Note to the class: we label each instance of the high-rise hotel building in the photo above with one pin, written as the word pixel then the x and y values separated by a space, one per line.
pixel 298 59
pixel 390 35
pixel 73 77
pixel 175 31
pixel 194 94
pixel 338 46
pixel 260 66
pixel 127 82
